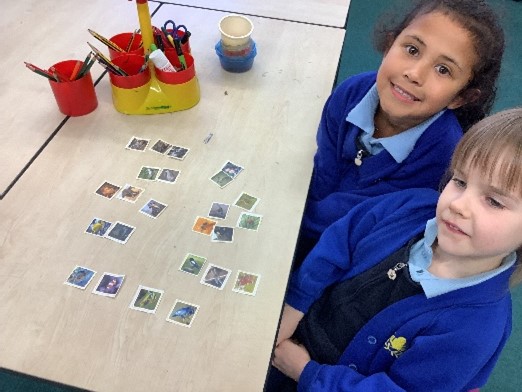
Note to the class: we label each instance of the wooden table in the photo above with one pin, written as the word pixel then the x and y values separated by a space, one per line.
pixel 265 120
pixel 44 33
pixel 321 12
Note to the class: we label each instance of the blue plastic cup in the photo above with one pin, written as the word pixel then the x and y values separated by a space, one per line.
pixel 234 63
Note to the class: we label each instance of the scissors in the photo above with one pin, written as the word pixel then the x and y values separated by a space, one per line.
pixel 175 29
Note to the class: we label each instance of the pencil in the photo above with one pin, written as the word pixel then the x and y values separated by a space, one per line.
pixel 129 45
pixel 88 67
pixel 84 65
pixel 58 75
pixel 76 70
pixel 144 66
pixel 105 41
pixel 40 71
pixel 43 74
pixel 55 75
pixel 109 66
pixel 100 55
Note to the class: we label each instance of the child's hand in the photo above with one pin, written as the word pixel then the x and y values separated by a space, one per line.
pixel 290 358
pixel 289 321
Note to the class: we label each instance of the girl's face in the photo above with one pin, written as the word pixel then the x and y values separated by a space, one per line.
pixel 478 221
pixel 424 71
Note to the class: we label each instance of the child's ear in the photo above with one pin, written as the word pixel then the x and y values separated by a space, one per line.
pixel 465 97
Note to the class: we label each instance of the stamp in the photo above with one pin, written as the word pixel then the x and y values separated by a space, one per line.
pixel 182 313
pixel 146 299
pixel 80 277
pixel 215 276
pixel 109 285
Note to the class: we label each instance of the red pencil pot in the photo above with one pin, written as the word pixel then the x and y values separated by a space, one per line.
pixel 180 76
pixel 123 40
pixel 76 97
pixel 131 64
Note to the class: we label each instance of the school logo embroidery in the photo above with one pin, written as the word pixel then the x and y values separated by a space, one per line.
pixel 396 346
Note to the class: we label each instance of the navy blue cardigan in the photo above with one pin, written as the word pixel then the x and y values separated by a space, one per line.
pixel 338 185
pixel 446 343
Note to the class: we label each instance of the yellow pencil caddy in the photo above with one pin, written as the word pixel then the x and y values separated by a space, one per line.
pixel 153 91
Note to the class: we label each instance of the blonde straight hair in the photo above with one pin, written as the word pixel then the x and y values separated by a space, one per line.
pixel 495 140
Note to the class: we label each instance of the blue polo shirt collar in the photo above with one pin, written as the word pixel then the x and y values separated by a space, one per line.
pixel 399 146
pixel 420 258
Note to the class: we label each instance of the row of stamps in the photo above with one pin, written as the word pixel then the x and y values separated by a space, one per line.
pixel 222 178
pixel 147 299
pixel 130 193
pixel 161 147
pixel 118 231
pixel 121 232
pixel 228 172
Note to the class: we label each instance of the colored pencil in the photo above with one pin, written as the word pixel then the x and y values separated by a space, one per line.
pixel 88 66
pixel 75 71
pixel 58 75
pixel 40 71
pixel 84 65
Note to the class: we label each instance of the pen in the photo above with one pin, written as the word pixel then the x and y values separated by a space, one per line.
pixel 105 41
pixel 179 52
pixel 159 42
pixel 185 37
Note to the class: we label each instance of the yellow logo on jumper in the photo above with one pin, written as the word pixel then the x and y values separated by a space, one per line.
pixel 395 345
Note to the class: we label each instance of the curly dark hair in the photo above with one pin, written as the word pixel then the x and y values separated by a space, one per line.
pixel 477 17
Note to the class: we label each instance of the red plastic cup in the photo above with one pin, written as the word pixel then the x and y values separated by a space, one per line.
pixel 131 64
pixel 76 97
pixel 176 77
pixel 239 50
pixel 123 40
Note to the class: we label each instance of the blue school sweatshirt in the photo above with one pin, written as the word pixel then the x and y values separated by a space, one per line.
pixel 338 184
pixel 450 342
